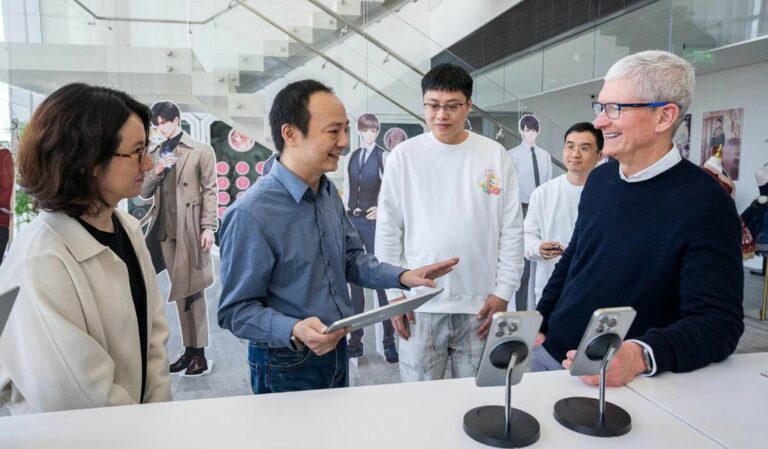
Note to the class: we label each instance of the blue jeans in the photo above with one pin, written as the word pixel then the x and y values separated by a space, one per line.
pixel 275 370
pixel 436 339
pixel 541 360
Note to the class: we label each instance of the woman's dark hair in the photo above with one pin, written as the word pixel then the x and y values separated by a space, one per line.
pixel 73 131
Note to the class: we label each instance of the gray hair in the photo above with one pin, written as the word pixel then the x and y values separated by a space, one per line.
pixel 659 76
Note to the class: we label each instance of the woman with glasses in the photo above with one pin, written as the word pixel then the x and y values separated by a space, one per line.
pixel 88 328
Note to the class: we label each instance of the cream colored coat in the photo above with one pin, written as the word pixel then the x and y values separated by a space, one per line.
pixel 196 204
pixel 72 340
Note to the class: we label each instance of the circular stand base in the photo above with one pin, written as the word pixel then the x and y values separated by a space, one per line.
pixel 486 425
pixel 583 415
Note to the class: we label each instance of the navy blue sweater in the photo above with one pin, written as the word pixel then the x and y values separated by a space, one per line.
pixel 671 248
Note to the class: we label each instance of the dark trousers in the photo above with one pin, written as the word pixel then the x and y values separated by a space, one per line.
pixel 3 241
pixel 367 230
pixel 521 297
pixel 275 370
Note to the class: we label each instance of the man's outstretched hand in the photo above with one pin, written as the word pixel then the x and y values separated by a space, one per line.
pixel 426 275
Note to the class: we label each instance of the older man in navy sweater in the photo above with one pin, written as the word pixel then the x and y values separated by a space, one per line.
pixel 655 232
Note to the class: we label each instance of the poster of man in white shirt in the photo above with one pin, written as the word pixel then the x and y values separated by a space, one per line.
pixel 554 206
pixel 534 167
pixel 533 163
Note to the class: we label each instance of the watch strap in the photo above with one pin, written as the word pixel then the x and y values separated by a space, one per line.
pixel 296 343
pixel 648 362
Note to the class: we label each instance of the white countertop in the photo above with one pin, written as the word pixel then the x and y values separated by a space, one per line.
pixel 397 416
pixel 727 401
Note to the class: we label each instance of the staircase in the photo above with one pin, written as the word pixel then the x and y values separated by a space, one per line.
pixel 220 71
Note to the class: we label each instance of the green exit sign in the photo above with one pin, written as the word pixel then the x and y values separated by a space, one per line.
pixel 699 56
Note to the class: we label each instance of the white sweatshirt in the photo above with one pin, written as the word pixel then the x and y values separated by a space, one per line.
pixel 439 201
pixel 551 216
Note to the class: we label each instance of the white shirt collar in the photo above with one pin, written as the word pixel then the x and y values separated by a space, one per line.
pixel 665 163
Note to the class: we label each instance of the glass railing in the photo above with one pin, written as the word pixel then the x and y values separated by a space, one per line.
pixel 210 50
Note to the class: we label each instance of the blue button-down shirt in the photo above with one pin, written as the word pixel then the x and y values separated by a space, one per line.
pixel 287 254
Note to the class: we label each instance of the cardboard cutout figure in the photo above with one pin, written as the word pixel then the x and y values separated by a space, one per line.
pixel 362 182
pixel 181 230
pixel 533 164
pixel 534 167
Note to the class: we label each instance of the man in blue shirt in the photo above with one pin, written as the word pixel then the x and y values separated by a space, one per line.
pixel 288 250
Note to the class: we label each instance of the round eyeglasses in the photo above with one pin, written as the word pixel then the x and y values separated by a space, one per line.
pixel 136 155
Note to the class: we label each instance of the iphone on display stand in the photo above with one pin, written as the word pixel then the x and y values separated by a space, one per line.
pixel 601 339
pixel 510 333
pixel 504 360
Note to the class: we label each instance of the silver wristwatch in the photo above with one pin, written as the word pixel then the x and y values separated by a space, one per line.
pixel 648 361
pixel 297 344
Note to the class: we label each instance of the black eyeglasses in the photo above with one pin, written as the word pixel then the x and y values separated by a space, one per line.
pixel 613 110
pixel 136 155
pixel 451 108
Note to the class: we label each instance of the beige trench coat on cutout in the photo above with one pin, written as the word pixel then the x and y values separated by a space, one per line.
pixel 196 205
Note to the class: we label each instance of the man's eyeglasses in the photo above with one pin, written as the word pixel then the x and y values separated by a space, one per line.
pixel 136 155
pixel 613 110
pixel 581 149
pixel 451 108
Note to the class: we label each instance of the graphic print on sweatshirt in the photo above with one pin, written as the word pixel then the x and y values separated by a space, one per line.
pixel 490 183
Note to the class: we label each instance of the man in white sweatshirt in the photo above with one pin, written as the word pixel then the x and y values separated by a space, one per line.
pixel 554 205
pixel 451 192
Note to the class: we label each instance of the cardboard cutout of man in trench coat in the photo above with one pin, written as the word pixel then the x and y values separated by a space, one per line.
pixel 181 230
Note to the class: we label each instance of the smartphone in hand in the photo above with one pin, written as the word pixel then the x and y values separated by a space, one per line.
pixel 616 320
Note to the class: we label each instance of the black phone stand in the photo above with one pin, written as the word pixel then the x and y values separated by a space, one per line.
pixel 590 416
pixel 505 426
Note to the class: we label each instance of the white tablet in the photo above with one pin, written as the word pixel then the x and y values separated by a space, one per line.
pixel 6 304
pixel 383 313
